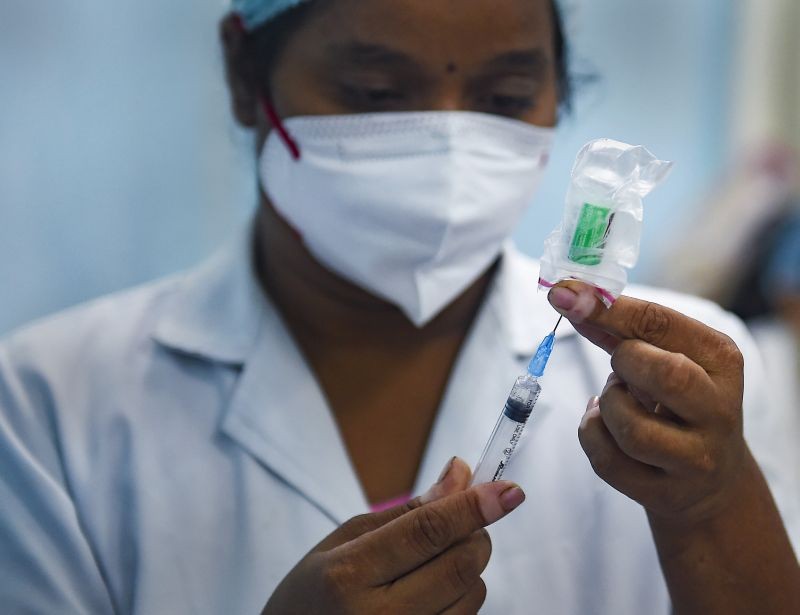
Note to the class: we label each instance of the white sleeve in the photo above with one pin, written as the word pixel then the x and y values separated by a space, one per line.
pixel 46 563
pixel 771 441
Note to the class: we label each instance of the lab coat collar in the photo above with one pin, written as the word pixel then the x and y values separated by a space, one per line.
pixel 215 311
pixel 278 413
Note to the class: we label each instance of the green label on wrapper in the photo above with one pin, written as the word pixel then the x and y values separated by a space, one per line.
pixel 590 234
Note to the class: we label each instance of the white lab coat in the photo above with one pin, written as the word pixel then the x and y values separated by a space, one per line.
pixel 781 426
pixel 167 450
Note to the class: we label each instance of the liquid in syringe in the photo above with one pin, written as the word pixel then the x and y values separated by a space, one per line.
pixel 516 412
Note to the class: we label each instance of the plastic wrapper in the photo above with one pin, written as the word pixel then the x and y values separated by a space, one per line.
pixel 598 239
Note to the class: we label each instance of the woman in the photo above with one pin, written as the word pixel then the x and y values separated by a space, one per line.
pixel 183 447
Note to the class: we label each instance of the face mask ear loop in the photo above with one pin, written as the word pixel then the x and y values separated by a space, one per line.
pixel 268 108
pixel 277 123
pixel 238 22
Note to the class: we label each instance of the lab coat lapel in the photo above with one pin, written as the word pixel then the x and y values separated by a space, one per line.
pixel 279 415
pixel 513 320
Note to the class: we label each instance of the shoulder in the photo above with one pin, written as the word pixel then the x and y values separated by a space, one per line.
pixel 704 310
pixel 95 334
pixel 58 375
pixel 122 346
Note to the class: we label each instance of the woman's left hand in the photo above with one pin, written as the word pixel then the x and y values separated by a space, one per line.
pixel 667 432
pixel 667 429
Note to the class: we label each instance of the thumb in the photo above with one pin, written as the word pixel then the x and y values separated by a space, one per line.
pixel 455 477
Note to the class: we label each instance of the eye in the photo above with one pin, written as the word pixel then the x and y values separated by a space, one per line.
pixel 362 98
pixel 511 105
pixel 509 95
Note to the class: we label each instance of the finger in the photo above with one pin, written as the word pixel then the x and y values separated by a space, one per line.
pixel 632 318
pixel 667 377
pixel 409 541
pixel 627 475
pixel 445 579
pixel 470 603
pixel 650 404
pixel 662 410
pixel 597 336
pixel 643 436
pixel 455 477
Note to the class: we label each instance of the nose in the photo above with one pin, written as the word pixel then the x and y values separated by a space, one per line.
pixel 448 96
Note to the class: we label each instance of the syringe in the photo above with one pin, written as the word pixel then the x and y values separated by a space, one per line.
pixel 515 415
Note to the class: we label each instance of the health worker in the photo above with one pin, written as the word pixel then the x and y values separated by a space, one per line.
pixel 215 442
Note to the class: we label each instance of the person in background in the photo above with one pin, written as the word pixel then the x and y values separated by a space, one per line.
pixel 777 333
pixel 214 442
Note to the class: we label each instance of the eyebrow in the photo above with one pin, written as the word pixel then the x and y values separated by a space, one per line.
pixel 374 55
pixel 530 60
pixel 369 55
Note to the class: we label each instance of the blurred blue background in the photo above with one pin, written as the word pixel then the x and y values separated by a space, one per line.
pixel 119 162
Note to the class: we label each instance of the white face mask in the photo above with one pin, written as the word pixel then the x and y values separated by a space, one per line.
pixel 412 207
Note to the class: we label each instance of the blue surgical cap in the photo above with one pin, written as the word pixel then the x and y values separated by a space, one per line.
pixel 255 13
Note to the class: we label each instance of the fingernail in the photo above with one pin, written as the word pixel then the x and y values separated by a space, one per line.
pixel 563 299
pixel 576 305
pixel 448 466
pixel 594 404
pixel 498 499
pixel 512 498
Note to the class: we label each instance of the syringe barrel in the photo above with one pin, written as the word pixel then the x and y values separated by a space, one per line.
pixel 508 430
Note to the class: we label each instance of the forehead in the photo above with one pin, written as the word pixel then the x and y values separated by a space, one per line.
pixel 448 30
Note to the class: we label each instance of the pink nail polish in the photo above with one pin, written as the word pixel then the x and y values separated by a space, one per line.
pixel 512 498
pixel 563 299
pixel 497 499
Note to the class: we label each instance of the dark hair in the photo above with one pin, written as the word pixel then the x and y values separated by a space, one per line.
pixel 750 297
pixel 563 70
pixel 265 44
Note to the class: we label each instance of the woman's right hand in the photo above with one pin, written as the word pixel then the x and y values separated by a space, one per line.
pixel 423 557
